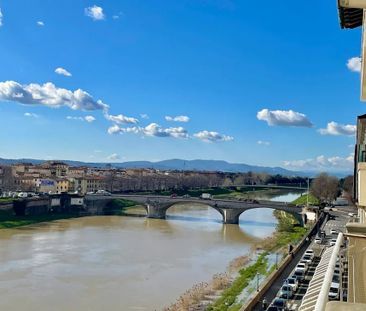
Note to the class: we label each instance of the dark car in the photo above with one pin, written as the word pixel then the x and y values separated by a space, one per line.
pixel 280 304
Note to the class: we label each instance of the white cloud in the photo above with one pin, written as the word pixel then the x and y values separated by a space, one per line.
pixel 40 23
pixel 63 72
pixel 319 163
pixel 262 142
pixel 178 119
pixel 284 118
pixel 48 95
pixel 354 64
pixel 31 115
pixel 208 136
pixel 114 129
pixel 75 118
pixel 334 128
pixel 88 119
pixel 120 119
pixel 1 18
pixel 144 116
pixel 95 12
pixel 113 157
pixel 153 129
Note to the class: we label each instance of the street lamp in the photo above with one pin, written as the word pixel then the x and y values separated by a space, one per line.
pixel 307 196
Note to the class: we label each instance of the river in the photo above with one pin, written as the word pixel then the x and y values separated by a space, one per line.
pixel 121 263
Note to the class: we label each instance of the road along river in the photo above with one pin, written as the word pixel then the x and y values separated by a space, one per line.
pixel 121 263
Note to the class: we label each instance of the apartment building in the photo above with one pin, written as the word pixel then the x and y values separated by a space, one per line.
pixel 56 168
pixel 352 15
pixel 62 185
pixel 89 184
pixel 6 178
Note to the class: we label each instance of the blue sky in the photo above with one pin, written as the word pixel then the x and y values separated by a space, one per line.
pixel 256 83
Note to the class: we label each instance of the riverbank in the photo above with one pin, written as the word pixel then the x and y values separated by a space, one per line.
pixel 241 282
pixel 7 220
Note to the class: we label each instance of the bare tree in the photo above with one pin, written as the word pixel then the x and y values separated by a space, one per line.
pixel 348 187
pixel 325 188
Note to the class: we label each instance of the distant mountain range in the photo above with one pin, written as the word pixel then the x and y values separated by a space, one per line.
pixel 177 164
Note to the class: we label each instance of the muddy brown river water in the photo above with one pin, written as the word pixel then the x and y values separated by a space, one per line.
pixel 121 263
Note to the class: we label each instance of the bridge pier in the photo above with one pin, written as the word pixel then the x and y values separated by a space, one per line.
pixel 230 215
pixel 155 211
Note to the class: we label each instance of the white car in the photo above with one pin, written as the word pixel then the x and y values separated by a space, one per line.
pixel 302 266
pixel 352 214
pixel 103 192
pixel 310 252
pixel 334 291
pixel 318 240
pixel 293 282
pixel 22 195
pixel 333 242
pixel 333 231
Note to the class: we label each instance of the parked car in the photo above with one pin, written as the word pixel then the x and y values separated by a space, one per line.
pixel 333 231
pixel 280 304
pixel 333 242
pixel 302 265
pixel 352 214
pixel 308 258
pixel 318 240
pixel 22 195
pixel 286 292
pixel 293 282
pixel 299 274
pixel 310 252
pixel 334 291
pixel 103 192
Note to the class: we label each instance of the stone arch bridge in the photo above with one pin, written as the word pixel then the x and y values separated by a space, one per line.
pixel 157 206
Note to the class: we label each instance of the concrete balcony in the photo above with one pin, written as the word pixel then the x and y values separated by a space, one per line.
pixel 361 184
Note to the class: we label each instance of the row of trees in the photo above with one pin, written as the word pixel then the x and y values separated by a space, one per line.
pixel 186 180
pixel 327 188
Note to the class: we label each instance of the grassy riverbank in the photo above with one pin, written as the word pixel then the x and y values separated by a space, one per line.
pixel 119 206
pixel 8 220
pixel 288 232
pixel 302 200
pixel 6 200
pixel 227 301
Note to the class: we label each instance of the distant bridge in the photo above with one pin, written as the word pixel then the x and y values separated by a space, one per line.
pixel 157 206
pixel 273 187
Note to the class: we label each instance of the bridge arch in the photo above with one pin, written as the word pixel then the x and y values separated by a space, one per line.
pixel 297 214
pixel 156 207
pixel 210 205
